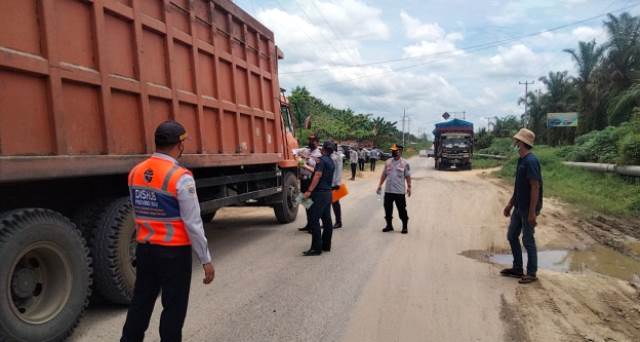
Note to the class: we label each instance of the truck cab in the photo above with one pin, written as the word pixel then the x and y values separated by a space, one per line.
pixel 456 150
pixel 453 144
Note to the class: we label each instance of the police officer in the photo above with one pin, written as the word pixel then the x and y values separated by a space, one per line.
pixel 320 193
pixel 396 172
pixel 306 171
pixel 168 224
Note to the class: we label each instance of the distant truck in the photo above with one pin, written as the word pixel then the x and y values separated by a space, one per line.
pixel 83 85
pixel 453 144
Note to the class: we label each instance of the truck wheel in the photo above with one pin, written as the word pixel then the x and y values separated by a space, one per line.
pixel 287 210
pixel 45 275
pixel 206 218
pixel 113 246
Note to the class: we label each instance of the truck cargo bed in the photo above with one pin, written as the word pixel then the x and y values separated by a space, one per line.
pixel 84 84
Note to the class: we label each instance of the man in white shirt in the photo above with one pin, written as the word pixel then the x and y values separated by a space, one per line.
pixel 335 184
pixel 353 158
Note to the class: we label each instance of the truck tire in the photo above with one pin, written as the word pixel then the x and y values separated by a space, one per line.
pixel 206 218
pixel 86 218
pixel 287 210
pixel 113 246
pixel 45 275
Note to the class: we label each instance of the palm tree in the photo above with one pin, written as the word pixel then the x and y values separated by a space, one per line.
pixel 622 106
pixel 560 91
pixel 560 97
pixel 623 48
pixel 587 58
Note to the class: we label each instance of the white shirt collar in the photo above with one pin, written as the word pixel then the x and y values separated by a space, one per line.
pixel 165 157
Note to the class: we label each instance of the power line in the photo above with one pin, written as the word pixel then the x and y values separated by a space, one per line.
pixel 476 47
pixel 480 47
pixel 526 92
pixel 333 30
pixel 337 51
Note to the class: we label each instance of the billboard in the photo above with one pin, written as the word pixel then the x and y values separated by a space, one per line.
pixel 562 120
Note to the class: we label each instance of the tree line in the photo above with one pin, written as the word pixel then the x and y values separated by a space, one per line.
pixel 605 90
pixel 311 115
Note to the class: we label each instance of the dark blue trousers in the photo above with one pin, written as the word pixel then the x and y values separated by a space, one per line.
pixel 520 225
pixel 320 209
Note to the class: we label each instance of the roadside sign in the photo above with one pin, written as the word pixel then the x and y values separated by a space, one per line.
pixel 446 116
pixel 562 120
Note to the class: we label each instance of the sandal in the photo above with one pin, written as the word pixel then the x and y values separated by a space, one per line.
pixel 528 279
pixel 512 272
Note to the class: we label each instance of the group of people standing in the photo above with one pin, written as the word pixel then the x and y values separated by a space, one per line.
pixel 321 174
pixel 169 226
pixel 359 158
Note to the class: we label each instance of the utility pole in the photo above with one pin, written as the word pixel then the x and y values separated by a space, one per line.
pixel 404 115
pixel 526 91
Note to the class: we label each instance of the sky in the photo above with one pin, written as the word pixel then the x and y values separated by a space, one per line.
pixel 427 57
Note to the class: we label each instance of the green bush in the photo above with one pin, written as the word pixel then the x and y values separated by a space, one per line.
pixel 499 146
pixel 603 147
pixel 630 150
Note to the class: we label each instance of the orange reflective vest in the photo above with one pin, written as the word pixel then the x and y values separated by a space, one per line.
pixel 154 196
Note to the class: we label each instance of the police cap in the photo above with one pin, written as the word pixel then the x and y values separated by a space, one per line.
pixel 170 133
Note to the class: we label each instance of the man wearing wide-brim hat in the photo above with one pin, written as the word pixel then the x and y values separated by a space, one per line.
pixel 524 207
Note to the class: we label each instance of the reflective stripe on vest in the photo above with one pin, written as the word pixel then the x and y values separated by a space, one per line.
pixel 154 196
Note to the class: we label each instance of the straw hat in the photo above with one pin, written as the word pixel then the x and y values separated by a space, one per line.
pixel 526 136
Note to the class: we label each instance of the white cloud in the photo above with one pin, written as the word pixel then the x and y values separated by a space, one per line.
pixel 348 18
pixel 417 30
pixel 305 42
pixel 512 60
pixel 585 33
pixel 433 38
pixel 425 48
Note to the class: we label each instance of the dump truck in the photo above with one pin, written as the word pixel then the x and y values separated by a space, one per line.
pixel 83 85
pixel 453 144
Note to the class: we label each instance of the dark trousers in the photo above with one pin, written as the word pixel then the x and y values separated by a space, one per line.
pixel 354 167
pixel 401 204
pixel 361 164
pixel 373 163
pixel 159 268
pixel 304 186
pixel 337 211
pixel 520 225
pixel 320 209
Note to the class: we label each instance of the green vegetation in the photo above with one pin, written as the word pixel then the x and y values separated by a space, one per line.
pixel 605 92
pixel 589 191
pixel 619 145
pixel 341 125
pixel 486 163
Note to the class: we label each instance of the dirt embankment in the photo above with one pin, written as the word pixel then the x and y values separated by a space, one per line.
pixel 589 290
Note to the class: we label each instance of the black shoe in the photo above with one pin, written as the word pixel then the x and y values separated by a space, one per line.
pixel 404 231
pixel 387 229
pixel 512 272
pixel 311 252
pixel 337 225
pixel 326 249
pixel 304 229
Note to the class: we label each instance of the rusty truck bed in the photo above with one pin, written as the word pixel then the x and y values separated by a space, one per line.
pixel 83 84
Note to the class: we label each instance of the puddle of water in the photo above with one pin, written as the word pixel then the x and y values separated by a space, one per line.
pixel 599 259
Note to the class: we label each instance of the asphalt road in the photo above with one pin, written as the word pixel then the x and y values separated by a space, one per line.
pixel 372 286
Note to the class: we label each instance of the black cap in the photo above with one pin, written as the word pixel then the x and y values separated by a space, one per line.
pixel 328 146
pixel 170 133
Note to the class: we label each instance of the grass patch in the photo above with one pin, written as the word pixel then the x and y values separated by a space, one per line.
pixel 486 163
pixel 590 191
